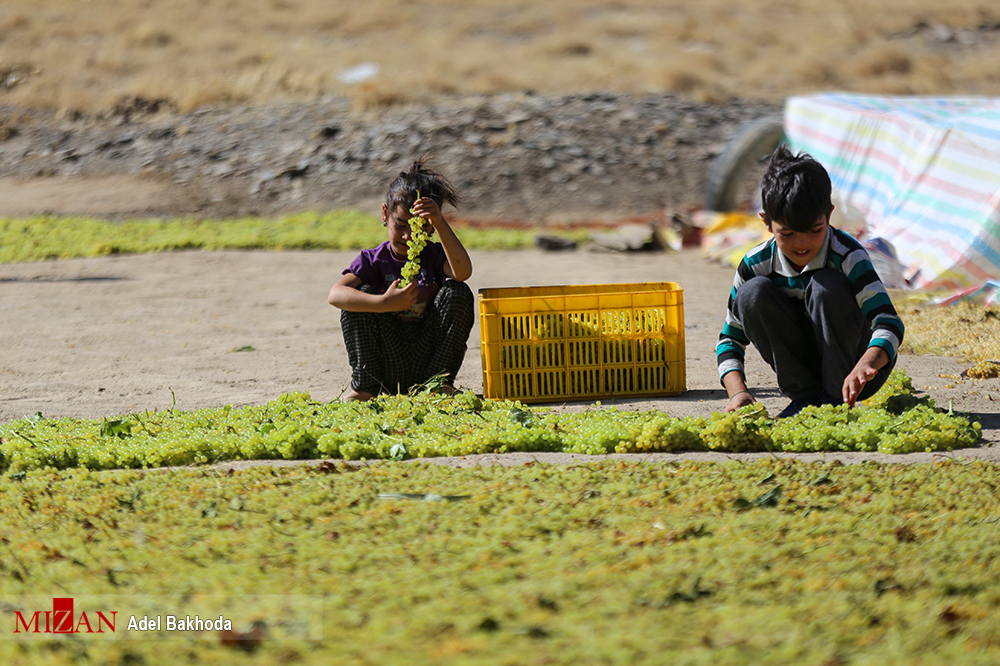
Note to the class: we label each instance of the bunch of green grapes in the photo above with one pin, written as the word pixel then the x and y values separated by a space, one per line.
pixel 896 384
pixel 745 429
pixel 900 423
pixel 597 431
pixel 414 246
pixel 924 428
pixel 663 433
pixel 830 428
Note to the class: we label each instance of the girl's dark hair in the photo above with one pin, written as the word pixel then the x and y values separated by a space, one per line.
pixel 795 190
pixel 420 178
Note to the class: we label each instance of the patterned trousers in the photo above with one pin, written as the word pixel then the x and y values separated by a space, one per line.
pixel 390 355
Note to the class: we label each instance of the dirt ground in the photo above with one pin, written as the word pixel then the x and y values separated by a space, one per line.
pixel 109 336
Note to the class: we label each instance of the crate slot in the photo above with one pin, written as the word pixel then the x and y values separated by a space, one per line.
pixel 617 352
pixel 518 384
pixel 584 325
pixel 649 321
pixel 651 351
pixel 616 323
pixel 552 383
pixel 515 328
pixel 549 326
pixel 585 382
pixel 619 380
pixel 582 352
pixel 549 355
pixel 515 357
pixel 652 378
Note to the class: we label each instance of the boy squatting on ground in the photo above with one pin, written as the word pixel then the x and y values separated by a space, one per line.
pixel 808 299
pixel 397 338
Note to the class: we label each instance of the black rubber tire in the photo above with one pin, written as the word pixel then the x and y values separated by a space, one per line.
pixel 742 162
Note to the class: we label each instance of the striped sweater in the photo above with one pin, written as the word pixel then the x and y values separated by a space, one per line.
pixel 841 252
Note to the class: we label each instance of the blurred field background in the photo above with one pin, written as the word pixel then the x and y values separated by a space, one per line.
pixel 89 55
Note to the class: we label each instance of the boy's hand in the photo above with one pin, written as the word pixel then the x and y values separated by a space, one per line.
pixel 741 399
pixel 865 370
pixel 426 208
pixel 400 299
pixel 855 382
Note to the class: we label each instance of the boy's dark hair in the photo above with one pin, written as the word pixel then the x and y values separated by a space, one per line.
pixel 795 190
pixel 420 178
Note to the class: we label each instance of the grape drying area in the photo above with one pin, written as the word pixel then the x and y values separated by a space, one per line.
pixel 549 554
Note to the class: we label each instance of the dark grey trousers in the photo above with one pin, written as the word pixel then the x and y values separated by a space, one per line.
pixel 390 355
pixel 813 344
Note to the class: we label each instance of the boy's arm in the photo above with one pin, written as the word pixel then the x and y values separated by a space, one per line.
pixel 877 307
pixel 873 299
pixel 458 265
pixel 731 348
pixel 345 295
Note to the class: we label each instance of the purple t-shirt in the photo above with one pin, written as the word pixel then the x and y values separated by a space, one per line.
pixel 378 268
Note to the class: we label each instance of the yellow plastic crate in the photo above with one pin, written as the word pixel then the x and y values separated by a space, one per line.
pixel 549 344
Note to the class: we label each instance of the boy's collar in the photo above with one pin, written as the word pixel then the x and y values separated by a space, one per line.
pixel 783 266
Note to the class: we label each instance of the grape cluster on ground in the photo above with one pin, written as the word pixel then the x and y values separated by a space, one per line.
pixel 425 424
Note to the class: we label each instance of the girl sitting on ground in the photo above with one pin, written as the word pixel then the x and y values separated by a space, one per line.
pixel 400 336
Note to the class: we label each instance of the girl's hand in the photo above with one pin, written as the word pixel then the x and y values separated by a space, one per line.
pixel 399 299
pixel 426 208
pixel 741 399
pixel 458 265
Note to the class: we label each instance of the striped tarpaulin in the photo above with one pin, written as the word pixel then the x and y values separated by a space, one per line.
pixel 923 171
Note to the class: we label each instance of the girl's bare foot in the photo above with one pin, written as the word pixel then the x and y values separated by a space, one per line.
pixel 355 395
